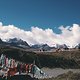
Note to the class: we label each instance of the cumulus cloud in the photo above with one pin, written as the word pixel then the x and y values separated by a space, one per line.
pixel 69 35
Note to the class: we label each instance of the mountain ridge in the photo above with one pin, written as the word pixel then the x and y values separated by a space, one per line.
pixel 23 44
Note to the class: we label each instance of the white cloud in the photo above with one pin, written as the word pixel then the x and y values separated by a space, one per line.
pixel 69 35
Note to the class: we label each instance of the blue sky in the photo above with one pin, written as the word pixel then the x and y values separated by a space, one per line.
pixel 42 13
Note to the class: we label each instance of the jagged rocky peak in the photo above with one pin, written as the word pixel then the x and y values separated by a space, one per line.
pixel 14 40
pixel 45 47
pixel 63 46
pixel 78 46
pixel 1 41
pixel 17 41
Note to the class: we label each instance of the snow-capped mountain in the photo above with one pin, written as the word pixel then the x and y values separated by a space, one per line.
pixel 77 46
pixel 18 43
pixel 63 46
pixel 42 46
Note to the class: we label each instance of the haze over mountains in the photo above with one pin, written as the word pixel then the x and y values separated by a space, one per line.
pixel 70 35
pixel 15 42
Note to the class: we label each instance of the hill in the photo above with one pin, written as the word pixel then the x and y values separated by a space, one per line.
pixel 18 54
pixel 63 59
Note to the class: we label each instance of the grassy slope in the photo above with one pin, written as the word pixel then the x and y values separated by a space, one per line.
pixel 66 59
pixel 18 54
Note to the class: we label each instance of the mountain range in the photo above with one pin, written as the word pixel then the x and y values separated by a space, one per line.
pixel 43 47
pixel 15 42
